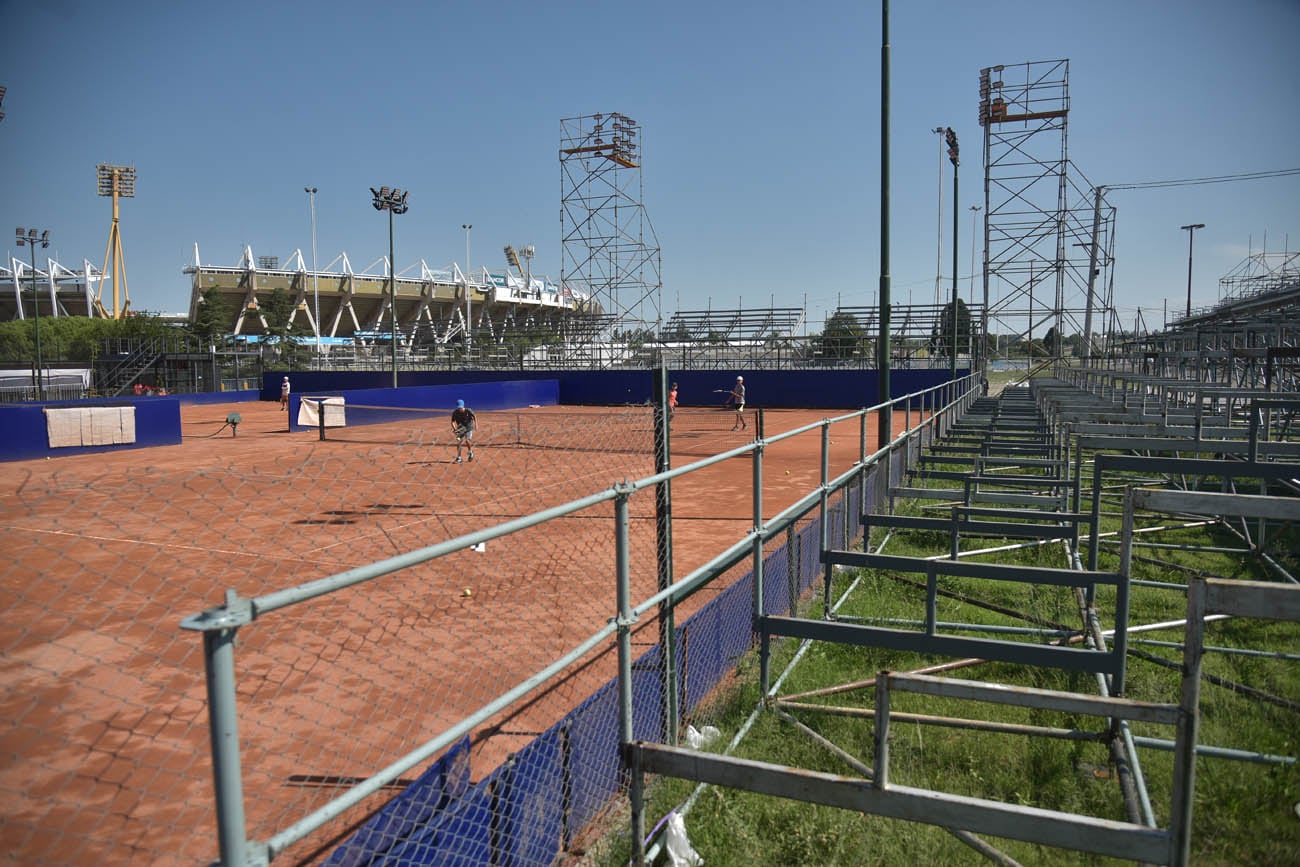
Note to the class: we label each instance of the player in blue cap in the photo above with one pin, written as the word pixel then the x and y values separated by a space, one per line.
pixel 463 423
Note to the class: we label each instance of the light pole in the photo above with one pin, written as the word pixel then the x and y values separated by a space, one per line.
pixel 468 338
pixel 974 212
pixel 938 270
pixel 311 198
pixel 31 238
pixel 1191 233
pixel 950 136
pixel 392 200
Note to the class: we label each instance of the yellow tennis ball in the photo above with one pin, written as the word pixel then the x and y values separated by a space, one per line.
pixel 467 592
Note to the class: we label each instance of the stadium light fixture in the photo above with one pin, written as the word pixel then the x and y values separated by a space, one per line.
pixel 392 200
pixel 31 237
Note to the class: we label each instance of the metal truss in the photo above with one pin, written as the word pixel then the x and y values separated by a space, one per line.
pixel 62 291
pixel 610 251
pixel 1048 232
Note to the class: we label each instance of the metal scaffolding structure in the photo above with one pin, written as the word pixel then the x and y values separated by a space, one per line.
pixel 1249 339
pixel 610 251
pixel 1048 232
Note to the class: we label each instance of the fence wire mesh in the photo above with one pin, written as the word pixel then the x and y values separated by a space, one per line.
pixel 106 726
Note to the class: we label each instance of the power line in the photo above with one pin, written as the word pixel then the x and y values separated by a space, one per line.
pixel 1218 179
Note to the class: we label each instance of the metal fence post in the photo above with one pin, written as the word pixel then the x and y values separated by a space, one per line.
pixel 822 540
pixel 1184 782
pixel 757 568
pixel 625 620
pixel 219 627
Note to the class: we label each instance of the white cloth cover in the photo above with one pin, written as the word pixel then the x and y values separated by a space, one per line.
pixel 90 426
pixel 335 411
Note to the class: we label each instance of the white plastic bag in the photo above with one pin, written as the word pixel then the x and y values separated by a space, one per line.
pixel 698 739
pixel 679 849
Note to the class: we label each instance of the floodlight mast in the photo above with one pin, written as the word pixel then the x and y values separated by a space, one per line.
pixel 116 182
pixel 32 237
pixel 311 196
pixel 468 337
pixel 393 201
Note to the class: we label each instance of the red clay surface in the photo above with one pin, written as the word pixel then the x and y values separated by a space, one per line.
pixel 105 735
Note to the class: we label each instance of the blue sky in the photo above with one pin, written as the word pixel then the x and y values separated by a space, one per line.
pixel 760 126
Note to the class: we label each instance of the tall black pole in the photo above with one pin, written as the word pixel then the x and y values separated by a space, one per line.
pixel 952 371
pixel 1191 233
pixel 392 296
pixel 36 307
pixel 884 418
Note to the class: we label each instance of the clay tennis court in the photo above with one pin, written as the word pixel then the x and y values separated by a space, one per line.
pixel 104 707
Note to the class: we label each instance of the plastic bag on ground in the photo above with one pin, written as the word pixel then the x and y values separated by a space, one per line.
pixel 678 847
pixel 698 739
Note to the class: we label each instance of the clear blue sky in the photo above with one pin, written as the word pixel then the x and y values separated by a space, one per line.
pixel 760 131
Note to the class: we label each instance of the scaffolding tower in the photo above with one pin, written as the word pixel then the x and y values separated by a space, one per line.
pixel 1048 232
pixel 610 251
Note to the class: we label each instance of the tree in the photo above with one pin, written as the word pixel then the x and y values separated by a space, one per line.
pixel 943 344
pixel 211 318
pixel 1051 342
pixel 843 336
pixel 282 330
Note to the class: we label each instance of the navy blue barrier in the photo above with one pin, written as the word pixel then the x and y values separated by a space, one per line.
pixel 460 835
pixel 483 396
pixel 24 435
pixel 531 816
pixel 447 780
pixel 775 389
pixel 593 741
pixel 715 638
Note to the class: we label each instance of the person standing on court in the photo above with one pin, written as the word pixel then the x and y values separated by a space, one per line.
pixel 672 401
pixel 463 423
pixel 737 397
pixel 284 394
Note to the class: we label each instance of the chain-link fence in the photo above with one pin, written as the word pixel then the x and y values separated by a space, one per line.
pixel 412 655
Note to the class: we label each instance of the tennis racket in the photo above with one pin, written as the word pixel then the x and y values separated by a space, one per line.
pixel 461 430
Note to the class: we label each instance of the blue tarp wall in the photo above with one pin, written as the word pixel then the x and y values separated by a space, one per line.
pixel 775 389
pixel 24 435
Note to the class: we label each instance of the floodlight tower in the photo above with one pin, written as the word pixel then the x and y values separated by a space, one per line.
pixel 392 200
pixel 115 181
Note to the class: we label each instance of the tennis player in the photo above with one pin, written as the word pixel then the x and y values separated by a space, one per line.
pixel 284 394
pixel 737 397
pixel 672 402
pixel 463 423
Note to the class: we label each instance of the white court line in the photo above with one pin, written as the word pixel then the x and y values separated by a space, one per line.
pixel 127 541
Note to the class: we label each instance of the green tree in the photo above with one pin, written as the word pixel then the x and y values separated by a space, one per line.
pixel 211 319
pixel 843 336
pixel 282 328
pixel 943 344
pixel 1051 342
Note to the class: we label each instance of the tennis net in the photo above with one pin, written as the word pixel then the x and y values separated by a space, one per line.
pixel 624 430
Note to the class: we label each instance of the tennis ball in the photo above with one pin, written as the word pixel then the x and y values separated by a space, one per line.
pixel 467 592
